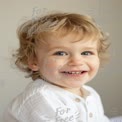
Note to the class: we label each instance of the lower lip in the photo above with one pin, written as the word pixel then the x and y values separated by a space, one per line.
pixel 75 75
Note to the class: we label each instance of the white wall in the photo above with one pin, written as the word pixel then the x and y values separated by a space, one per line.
pixel 107 13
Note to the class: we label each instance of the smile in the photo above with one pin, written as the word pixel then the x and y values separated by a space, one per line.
pixel 74 72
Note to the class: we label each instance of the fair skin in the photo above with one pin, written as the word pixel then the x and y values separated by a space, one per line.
pixel 67 62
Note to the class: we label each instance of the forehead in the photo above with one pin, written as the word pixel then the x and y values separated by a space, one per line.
pixel 71 39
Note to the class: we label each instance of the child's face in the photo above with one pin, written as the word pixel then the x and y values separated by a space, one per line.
pixel 66 63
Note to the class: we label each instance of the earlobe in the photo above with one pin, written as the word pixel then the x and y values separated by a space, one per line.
pixel 33 66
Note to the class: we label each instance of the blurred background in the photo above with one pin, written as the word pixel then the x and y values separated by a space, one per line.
pixel 107 14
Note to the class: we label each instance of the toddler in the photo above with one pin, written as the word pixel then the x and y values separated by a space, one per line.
pixel 61 52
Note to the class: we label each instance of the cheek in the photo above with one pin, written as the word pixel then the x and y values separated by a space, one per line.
pixel 95 64
pixel 50 66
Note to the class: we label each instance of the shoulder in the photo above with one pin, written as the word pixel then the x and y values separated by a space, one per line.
pixel 33 89
pixel 30 98
pixel 32 101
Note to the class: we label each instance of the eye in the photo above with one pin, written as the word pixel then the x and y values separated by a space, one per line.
pixel 60 53
pixel 87 53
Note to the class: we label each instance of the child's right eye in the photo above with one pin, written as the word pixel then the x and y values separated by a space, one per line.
pixel 60 53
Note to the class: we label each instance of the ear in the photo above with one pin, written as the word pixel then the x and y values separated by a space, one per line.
pixel 33 65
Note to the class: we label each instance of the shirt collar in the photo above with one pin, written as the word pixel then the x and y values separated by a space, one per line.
pixel 84 90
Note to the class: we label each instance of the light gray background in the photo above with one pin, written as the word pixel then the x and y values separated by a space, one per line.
pixel 107 13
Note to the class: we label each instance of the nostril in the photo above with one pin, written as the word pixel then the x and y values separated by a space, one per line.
pixel 75 62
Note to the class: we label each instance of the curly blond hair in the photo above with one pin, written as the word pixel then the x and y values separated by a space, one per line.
pixel 34 32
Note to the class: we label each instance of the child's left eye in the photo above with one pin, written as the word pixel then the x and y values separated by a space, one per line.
pixel 87 53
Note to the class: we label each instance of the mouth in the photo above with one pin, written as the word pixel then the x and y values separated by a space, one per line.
pixel 74 72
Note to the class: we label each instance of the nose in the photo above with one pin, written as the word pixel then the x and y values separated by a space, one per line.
pixel 75 60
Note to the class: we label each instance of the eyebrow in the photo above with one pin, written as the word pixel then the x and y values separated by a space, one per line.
pixel 63 47
pixel 58 47
pixel 90 48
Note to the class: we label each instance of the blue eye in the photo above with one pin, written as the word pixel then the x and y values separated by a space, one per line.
pixel 60 53
pixel 87 53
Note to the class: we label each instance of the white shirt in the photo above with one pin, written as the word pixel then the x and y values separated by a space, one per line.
pixel 44 102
